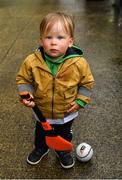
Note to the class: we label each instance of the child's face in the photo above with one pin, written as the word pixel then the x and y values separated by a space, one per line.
pixel 56 41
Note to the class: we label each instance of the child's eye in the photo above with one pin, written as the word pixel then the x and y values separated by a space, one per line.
pixel 48 37
pixel 60 37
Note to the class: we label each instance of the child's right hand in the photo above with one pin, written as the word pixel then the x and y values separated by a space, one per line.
pixel 29 103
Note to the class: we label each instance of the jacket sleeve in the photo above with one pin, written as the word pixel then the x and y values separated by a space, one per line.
pixel 86 83
pixel 24 78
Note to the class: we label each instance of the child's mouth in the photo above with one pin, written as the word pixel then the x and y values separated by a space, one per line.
pixel 54 50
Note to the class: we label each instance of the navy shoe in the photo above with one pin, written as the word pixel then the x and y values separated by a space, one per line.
pixel 36 156
pixel 65 159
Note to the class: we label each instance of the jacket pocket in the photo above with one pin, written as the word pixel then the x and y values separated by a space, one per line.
pixel 70 93
pixel 41 97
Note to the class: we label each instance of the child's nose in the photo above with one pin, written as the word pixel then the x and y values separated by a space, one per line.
pixel 54 41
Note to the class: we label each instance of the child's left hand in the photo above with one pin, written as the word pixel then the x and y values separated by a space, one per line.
pixel 74 107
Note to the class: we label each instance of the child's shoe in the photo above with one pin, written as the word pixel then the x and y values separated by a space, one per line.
pixel 65 158
pixel 36 155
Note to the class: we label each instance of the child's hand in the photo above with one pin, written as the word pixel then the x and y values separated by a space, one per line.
pixel 74 107
pixel 29 102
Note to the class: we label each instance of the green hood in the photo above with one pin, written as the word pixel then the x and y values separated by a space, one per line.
pixel 73 51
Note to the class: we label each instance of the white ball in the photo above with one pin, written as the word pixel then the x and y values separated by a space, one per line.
pixel 84 152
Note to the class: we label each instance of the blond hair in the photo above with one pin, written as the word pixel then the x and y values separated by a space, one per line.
pixel 50 19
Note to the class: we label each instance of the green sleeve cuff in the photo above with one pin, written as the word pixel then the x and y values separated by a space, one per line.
pixel 80 102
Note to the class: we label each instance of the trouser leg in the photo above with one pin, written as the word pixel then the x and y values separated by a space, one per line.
pixel 64 130
pixel 39 136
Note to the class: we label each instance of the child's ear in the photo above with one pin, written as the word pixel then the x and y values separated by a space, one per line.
pixel 40 41
pixel 71 42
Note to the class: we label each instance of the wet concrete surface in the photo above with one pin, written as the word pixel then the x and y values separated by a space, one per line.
pixel 99 33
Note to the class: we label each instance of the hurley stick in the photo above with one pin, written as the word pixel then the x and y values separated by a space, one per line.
pixel 53 140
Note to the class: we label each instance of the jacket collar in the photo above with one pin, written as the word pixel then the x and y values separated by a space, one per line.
pixel 72 52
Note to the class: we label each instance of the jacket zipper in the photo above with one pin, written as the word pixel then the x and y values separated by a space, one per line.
pixel 53 89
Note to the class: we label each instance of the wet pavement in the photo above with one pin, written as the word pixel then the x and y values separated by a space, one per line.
pixel 99 33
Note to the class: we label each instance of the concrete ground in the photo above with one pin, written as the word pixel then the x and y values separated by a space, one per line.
pixel 99 34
